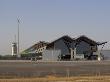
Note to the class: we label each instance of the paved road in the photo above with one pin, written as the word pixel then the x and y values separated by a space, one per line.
pixel 39 68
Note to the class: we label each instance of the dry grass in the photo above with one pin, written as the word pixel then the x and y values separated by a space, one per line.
pixel 61 79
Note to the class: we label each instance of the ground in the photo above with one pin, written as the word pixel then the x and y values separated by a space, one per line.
pixel 19 68
pixel 61 79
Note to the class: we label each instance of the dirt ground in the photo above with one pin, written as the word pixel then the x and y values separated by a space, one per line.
pixel 61 79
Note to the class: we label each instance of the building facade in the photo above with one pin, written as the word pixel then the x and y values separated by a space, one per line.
pixel 14 49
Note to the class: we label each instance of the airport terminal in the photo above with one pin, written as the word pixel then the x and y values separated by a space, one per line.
pixel 66 48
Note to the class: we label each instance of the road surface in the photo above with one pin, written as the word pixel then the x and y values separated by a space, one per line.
pixel 22 68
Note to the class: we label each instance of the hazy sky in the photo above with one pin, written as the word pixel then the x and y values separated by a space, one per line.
pixel 50 19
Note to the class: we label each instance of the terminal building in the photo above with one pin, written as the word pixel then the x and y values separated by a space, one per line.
pixel 66 48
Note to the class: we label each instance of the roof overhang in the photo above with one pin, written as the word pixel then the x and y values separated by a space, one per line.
pixel 101 43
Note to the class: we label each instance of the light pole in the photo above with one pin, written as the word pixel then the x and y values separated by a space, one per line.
pixel 18 54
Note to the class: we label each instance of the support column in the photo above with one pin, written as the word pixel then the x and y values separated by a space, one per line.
pixel 71 53
pixel 74 52
pixel 99 56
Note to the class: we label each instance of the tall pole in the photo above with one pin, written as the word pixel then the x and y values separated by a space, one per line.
pixel 18 21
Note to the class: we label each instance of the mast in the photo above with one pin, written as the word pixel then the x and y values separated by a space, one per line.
pixel 18 54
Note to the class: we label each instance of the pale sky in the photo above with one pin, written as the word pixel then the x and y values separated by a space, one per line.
pixel 49 19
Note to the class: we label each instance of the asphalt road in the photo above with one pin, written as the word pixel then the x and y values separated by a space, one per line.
pixel 64 68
